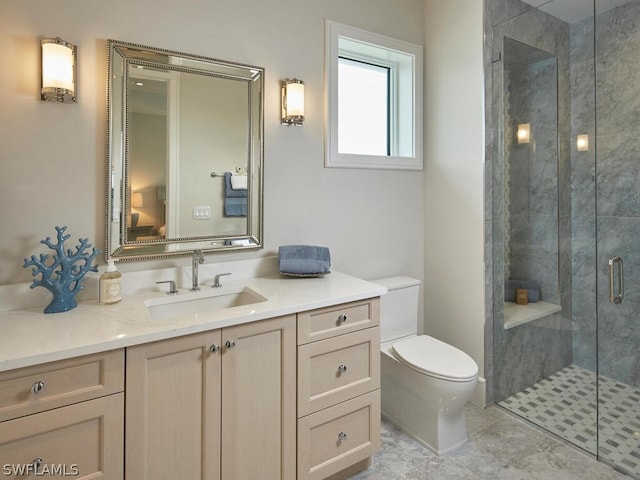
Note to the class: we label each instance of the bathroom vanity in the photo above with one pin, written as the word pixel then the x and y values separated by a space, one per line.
pixel 285 386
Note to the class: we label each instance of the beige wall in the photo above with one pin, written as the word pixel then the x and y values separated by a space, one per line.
pixel 52 156
pixel 428 225
pixel 454 186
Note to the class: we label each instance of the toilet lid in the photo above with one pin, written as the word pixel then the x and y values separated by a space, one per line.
pixel 433 357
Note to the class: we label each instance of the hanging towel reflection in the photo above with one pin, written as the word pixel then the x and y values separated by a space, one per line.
pixel 235 200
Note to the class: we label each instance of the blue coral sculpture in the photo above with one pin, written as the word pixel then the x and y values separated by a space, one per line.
pixel 63 275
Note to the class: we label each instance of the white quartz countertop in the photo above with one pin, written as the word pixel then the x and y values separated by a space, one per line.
pixel 30 337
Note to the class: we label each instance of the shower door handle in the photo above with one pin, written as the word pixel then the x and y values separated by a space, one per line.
pixel 613 296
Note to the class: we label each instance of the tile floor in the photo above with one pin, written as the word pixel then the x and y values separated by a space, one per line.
pixel 565 404
pixel 501 447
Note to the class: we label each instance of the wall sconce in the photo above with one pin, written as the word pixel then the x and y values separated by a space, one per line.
pixel 524 133
pixel 58 71
pixel 136 202
pixel 292 102
pixel 582 143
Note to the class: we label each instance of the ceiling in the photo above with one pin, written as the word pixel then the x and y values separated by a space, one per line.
pixel 571 11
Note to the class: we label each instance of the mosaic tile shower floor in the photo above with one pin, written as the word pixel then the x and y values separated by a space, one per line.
pixel 565 404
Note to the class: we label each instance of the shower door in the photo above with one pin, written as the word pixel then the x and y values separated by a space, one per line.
pixel 617 177
pixel 566 219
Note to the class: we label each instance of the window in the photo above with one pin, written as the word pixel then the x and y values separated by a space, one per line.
pixel 374 100
pixel 363 108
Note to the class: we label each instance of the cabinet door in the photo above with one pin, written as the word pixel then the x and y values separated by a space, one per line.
pixel 258 400
pixel 173 409
pixel 83 441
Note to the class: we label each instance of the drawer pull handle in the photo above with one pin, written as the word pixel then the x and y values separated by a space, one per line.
pixel 230 343
pixel 37 387
pixel 342 437
pixel 342 319
pixel 342 368
pixel 214 348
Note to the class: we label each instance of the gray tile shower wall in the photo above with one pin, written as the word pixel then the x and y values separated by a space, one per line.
pixel 539 211
pixel 617 170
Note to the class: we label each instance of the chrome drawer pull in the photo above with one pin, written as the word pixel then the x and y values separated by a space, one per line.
pixel 342 437
pixel 230 343
pixel 342 368
pixel 37 387
pixel 342 319
pixel 214 348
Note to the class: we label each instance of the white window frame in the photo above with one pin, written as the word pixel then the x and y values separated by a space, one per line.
pixel 405 60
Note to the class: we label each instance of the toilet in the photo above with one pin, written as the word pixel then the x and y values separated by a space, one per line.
pixel 425 382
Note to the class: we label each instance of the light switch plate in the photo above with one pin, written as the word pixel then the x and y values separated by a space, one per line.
pixel 201 213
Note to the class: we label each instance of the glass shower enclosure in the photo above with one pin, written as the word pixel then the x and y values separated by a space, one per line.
pixel 564 160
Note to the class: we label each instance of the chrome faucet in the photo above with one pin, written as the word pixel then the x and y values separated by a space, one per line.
pixel 216 282
pixel 172 286
pixel 198 258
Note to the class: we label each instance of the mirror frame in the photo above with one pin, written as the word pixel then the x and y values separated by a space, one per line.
pixel 117 246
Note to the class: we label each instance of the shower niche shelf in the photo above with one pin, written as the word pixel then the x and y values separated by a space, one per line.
pixel 515 314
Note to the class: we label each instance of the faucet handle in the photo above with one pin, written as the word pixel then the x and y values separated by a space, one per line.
pixel 216 281
pixel 172 286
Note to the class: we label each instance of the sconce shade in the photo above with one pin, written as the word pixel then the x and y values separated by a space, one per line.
pixel 292 102
pixel 58 71
pixel 582 143
pixel 524 133
pixel 136 200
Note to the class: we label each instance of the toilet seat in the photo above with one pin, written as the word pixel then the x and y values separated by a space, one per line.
pixel 437 359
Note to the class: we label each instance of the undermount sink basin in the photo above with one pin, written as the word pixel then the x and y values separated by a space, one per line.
pixel 201 302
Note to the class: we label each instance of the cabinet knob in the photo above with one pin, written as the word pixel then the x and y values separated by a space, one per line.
pixel 230 343
pixel 342 368
pixel 342 319
pixel 214 348
pixel 342 437
pixel 37 387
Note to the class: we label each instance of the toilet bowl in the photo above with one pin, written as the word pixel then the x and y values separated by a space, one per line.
pixel 425 382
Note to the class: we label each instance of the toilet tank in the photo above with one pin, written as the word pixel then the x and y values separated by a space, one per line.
pixel 399 307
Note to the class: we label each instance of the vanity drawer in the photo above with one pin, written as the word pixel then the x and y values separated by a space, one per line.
pixel 337 369
pixel 34 389
pixel 337 320
pixel 335 438
pixel 85 440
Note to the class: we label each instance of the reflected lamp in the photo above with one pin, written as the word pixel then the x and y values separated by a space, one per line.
pixel 524 133
pixel 582 143
pixel 58 79
pixel 136 200
pixel 292 102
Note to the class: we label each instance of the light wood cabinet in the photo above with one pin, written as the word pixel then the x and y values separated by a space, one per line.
pixel 333 439
pixel 338 389
pixel 337 369
pixel 292 397
pixel 77 427
pixel 339 319
pixel 42 387
pixel 190 405
pixel 173 408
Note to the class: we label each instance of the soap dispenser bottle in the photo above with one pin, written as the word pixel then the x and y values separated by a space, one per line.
pixel 110 285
